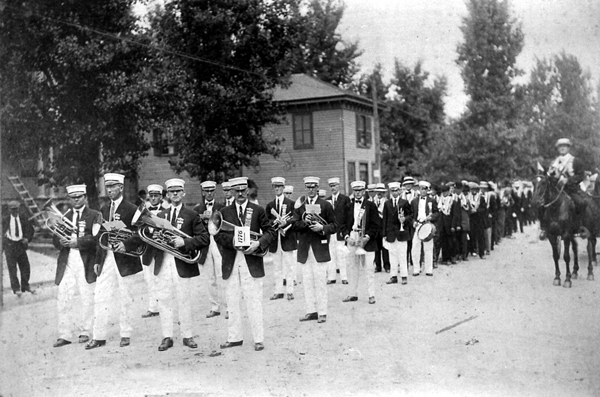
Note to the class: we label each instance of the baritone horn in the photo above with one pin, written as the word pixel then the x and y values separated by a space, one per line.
pixel 116 232
pixel 58 225
pixel 159 233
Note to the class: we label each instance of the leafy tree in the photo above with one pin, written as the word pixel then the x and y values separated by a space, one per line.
pixel 214 101
pixel 492 41
pixel 562 104
pixel 319 50
pixel 58 76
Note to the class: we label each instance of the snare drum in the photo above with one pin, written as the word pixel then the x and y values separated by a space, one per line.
pixel 425 231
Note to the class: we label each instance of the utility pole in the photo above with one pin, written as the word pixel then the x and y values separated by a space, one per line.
pixel 377 137
pixel 1 231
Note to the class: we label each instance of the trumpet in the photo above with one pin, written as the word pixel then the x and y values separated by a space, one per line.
pixel 312 219
pixel 58 225
pixel 116 232
pixel 216 224
pixel 281 220
pixel 160 234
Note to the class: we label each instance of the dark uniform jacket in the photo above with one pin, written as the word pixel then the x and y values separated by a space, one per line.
pixel 289 241
pixel 431 208
pixel 372 225
pixel 259 223
pixel 189 222
pixel 86 244
pixel 342 210
pixel 391 224
pixel 319 242
pixel 201 209
pixel 126 264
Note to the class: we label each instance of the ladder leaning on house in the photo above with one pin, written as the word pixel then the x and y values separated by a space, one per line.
pixel 30 203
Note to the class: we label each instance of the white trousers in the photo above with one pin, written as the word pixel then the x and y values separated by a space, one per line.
pixel 241 284
pixel 168 284
pixel 314 278
pixel 73 280
pixel 398 263
pixel 283 268
pixel 366 263
pixel 428 255
pixel 339 258
pixel 107 284
pixel 214 272
pixel 150 279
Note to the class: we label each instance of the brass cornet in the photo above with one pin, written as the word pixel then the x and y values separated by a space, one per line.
pixel 312 219
pixel 282 220
pixel 401 218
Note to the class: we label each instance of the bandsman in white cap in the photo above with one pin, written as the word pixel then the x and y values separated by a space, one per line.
pixel 424 210
pixel 229 199
pixel 477 220
pixel 409 194
pixel 114 268
pixel 382 257
pixel 18 232
pixel 211 258
pixel 154 205
pixel 174 275
pixel 288 190
pixel 371 191
pixel 281 250
pixel 339 252
pixel 243 268
pixel 396 232
pixel 315 222
pixel 363 225
pixel 75 268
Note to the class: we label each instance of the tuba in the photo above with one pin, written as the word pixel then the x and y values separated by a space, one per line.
pixel 116 232
pixel 216 224
pixel 159 233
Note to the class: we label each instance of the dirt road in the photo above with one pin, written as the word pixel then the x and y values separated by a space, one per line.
pixel 514 334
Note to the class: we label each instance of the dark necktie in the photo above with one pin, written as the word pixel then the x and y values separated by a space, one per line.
pixel 358 202
pixel 173 216
pixel 112 211
pixel 241 215
pixel 153 208
pixel 17 228
pixel 395 203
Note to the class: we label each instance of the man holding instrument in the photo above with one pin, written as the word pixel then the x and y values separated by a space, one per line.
pixel 114 267
pixel 397 220
pixel 425 211
pixel 281 249
pixel 363 225
pixel 75 267
pixel 339 253
pixel 243 268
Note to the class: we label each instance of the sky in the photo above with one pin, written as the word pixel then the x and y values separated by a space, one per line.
pixel 429 30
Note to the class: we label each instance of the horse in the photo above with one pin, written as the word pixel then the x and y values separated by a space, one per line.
pixel 557 212
pixel 592 223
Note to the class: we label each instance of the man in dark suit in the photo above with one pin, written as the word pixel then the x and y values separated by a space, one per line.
pixel 243 269
pixel 339 253
pixel 363 225
pixel 478 218
pixel 281 250
pixel 424 210
pixel 18 232
pixel 174 274
pixel 75 268
pixel 229 199
pixel 314 222
pixel 155 206
pixel 447 224
pixel 114 268
pixel 382 256
pixel 211 257
pixel 396 234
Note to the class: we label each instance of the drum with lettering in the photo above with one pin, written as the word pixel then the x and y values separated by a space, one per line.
pixel 425 231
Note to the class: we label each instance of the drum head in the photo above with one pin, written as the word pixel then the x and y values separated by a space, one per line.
pixel 425 231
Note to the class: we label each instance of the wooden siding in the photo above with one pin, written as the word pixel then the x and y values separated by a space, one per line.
pixel 353 153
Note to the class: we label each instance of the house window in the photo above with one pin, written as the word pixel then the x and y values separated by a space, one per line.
pixel 303 131
pixel 363 172
pixel 351 174
pixel 363 131
pixel 164 144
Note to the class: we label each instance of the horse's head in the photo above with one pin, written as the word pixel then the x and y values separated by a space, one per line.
pixel 546 187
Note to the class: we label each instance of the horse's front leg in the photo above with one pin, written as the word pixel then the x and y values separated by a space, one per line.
pixel 574 275
pixel 591 248
pixel 556 256
pixel 567 258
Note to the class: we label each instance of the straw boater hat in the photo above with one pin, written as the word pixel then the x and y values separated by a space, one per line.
pixel 113 179
pixel 175 184
pixel 76 190
pixel 394 185
pixel 226 185
pixel 154 188
pixel 208 185
pixel 370 187
pixel 424 184
pixel 408 180
pixel 278 181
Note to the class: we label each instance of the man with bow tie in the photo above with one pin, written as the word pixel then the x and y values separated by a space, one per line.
pixel 409 194
pixel 339 253
pixel 211 258
pixel 114 268
pixel 18 232
pixel 396 234
pixel 424 210
pixel 154 205
pixel 282 248
pixel 243 270
pixel 75 268
pixel 313 247
pixel 173 275
pixel 381 254
pixel 363 225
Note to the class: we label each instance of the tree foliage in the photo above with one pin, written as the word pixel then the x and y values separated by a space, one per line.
pixel 58 83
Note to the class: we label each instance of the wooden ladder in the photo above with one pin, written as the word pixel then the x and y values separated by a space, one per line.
pixel 30 203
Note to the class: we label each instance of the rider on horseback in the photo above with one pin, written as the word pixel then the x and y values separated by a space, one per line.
pixel 569 172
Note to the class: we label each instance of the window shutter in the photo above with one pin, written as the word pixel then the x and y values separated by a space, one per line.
pixel 369 133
